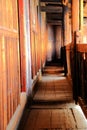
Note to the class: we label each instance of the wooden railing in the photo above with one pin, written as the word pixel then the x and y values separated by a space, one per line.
pixel 78 64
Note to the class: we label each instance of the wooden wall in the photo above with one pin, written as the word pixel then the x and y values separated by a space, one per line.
pixel 9 61
pixel 35 30
pixel 38 39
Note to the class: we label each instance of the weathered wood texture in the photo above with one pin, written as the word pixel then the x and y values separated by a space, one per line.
pixel 9 61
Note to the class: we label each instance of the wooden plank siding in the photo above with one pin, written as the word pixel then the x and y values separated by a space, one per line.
pixel 9 61
pixel 38 42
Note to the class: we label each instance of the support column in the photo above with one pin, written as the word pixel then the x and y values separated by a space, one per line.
pixel 75 28
pixel 66 24
pixel 81 15
pixel 65 36
pixel 75 17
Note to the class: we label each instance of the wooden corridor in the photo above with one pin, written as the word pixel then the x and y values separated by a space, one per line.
pixel 53 107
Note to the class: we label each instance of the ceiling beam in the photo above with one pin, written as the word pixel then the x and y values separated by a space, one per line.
pixel 51 9
pixel 54 16
pixel 54 22
pixel 51 1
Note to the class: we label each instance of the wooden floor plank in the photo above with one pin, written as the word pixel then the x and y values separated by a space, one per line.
pixel 53 107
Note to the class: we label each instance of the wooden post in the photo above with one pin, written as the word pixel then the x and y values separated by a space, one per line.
pixel 66 25
pixel 22 45
pixel 75 17
pixel 75 27
pixel 4 83
pixel 81 15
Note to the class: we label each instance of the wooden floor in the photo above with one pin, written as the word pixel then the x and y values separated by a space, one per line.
pixel 53 107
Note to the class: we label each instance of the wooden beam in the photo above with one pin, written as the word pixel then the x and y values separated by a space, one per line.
pixel 54 4
pixel 54 22
pixel 54 16
pixel 51 9
pixel 51 1
pixel 58 24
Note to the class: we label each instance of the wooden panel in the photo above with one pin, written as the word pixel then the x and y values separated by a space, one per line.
pixel 9 61
pixel 51 9
pixel 9 14
pixel 12 75
pixel 4 81
pixel 35 39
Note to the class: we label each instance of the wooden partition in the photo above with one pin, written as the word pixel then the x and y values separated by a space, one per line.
pixel 78 66
pixel 80 71
pixel 9 61
pixel 82 76
pixel 33 31
pixel 38 39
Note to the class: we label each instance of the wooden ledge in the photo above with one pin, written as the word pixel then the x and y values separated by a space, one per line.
pixel 82 47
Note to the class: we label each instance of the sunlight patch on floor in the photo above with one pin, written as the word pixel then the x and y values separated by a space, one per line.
pixel 47 78
pixel 78 108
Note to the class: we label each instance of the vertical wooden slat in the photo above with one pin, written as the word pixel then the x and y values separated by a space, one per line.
pixel 18 72
pixel 15 64
pixel 1 90
pixel 8 79
pixel 4 82
pixel 11 50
